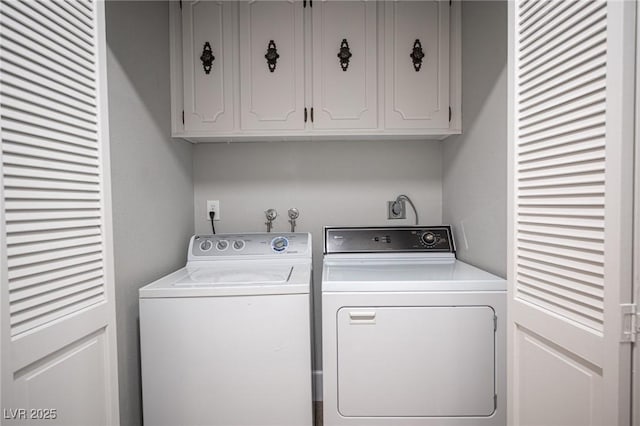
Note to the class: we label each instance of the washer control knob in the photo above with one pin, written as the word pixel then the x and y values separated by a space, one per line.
pixel 206 245
pixel 238 244
pixel 222 245
pixel 429 238
pixel 279 244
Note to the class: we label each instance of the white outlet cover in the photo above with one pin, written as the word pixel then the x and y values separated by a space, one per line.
pixel 215 206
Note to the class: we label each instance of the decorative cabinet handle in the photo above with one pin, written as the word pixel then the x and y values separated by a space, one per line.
pixel 344 54
pixel 207 58
pixel 417 55
pixel 272 55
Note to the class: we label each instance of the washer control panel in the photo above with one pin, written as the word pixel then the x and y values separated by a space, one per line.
pixel 251 244
pixel 388 239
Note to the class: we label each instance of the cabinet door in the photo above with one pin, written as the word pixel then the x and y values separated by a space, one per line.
pixel 417 95
pixel 207 28
pixel 345 93
pixel 272 95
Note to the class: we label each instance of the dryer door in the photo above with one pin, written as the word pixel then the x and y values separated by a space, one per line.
pixel 424 361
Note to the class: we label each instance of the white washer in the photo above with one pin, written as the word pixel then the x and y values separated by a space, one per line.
pixel 411 336
pixel 226 339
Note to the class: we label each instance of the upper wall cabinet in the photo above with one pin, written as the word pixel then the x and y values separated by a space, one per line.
pixel 271 65
pixel 345 66
pixel 208 55
pixel 416 64
pixel 300 69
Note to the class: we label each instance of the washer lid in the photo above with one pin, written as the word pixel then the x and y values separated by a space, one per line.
pixel 232 279
pixel 221 276
pixel 409 275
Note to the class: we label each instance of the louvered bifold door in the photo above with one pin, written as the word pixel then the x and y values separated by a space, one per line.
pixel 57 308
pixel 570 142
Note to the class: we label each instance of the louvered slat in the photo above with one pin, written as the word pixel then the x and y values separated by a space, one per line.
pixel 562 281
pixel 29 172
pixel 57 73
pixel 561 231
pixel 579 86
pixel 537 12
pixel 561 57
pixel 541 114
pixel 576 190
pixel 40 247
pixel 57 83
pixel 86 4
pixel 62 99
pixel 562 149
pixel 23 260
pixel 56 157
pixel 576 244
pixel 573 17
pixel 40 101
pixel 51 266
pixel 563 181
pixel 51 172
pixel 27 206
pixel 22 140
pixel 54 61
pixel 32 292
pixel 567 275
pixel 565 42
pixel 21 194
pixel 47 118
pixel 21 112
pixel 20 305
pixel 39 279
pixel 58 21
pixel 14 182
pixel 572 297
pixel 567 170
pixel 53 35
pixel 81 19
pixel 564 306
pixel 24 321
pixel 80 6
pixel 50 225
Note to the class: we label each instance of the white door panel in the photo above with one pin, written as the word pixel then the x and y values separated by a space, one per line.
pixel 345 98
pixel 570 192
pixel 575 382
pixel 56 292
pixel 271 97
pixel 60 370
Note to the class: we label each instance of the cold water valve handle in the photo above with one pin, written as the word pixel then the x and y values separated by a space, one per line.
pixel 271 215
pixel 293 215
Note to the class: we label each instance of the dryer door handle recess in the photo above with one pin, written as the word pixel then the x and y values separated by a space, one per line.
pixel 362 317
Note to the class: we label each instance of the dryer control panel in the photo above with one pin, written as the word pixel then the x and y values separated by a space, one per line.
pixel 388 239
pixel 205 247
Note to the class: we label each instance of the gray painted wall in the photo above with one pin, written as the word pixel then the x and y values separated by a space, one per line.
pixel 474 166
pixel 151 175
pixel 330 182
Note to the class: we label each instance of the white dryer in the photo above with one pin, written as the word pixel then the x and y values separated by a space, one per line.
pixel 226 339
pixel 411 335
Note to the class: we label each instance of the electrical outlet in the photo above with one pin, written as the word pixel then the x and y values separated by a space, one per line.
pixel 213 205
pixel 396 210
